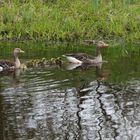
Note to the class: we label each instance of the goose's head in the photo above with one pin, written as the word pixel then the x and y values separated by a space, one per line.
pixel 17 51
pixel 102 44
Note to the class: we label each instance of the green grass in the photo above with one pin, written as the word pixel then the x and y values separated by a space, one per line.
pixel 70 20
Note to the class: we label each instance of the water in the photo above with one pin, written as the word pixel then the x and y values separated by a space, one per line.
pixel 59 103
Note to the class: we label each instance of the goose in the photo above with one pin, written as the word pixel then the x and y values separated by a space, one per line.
pixel 80 58
pixel 11 65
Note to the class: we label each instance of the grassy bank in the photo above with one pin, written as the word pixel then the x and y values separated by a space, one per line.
pixel 69 19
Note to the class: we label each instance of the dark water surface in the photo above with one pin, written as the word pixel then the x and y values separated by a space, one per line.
pixel 61 103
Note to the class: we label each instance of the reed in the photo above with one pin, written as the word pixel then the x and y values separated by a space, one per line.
pixel 67 20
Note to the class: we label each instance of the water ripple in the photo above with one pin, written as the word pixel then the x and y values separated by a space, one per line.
pixel 40 105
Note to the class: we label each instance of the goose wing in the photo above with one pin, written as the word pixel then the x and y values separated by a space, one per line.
pixel 80 56
pixel 6 64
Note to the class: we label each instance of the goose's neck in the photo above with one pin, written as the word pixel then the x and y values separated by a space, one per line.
pixel 16 61
pixel 98 55
pixel 98 52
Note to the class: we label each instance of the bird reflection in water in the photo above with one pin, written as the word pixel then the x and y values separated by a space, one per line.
pixel 14 75
pixel 86 89
pixel 100 74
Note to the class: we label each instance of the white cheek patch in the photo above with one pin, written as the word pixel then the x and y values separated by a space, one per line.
pixel 73 60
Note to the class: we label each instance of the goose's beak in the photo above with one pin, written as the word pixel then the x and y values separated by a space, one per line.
pixel 21 51
pixel 105 45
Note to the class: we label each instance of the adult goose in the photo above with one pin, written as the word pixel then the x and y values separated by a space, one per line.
pixel 80 58
pixel 11 65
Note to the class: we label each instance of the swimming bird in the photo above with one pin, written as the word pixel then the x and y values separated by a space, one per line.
pixel 44 62
pixel 80 58
pixel 11 65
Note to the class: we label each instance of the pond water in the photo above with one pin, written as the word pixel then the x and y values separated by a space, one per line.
pixel 71 102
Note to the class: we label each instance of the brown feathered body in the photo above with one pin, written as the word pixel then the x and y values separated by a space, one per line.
pixel 81 58
pixel 11 65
